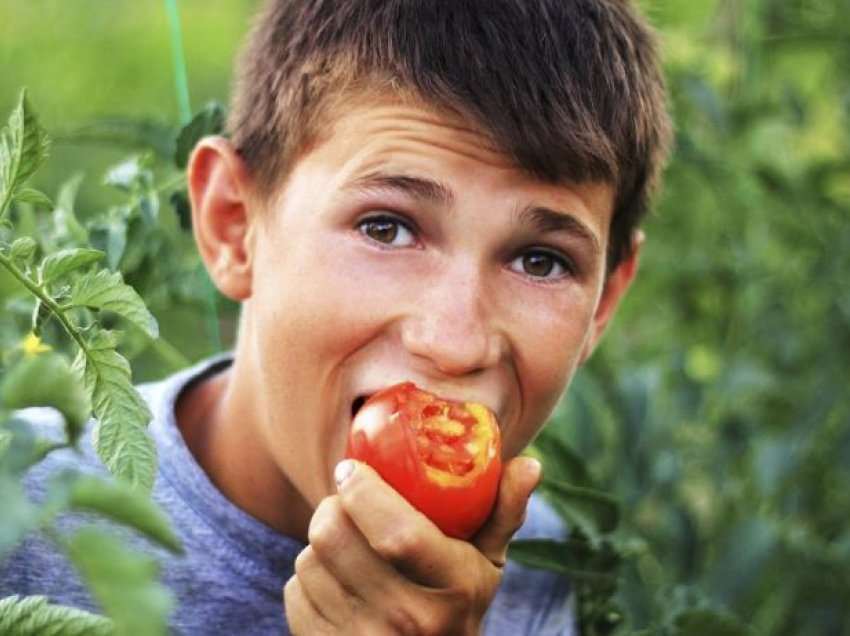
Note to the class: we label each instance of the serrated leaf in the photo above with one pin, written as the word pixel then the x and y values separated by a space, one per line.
pixel 33 196
pixel 47 380
pixel 104 290
pixel 67 260
pixel 208 121
pixel 125 505
pixel 35 616
pixel 593 511
pixel 23 147
pixel 120 436
pixel 64 220
pixel 123 582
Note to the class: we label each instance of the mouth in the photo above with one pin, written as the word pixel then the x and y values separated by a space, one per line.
pixel 357 404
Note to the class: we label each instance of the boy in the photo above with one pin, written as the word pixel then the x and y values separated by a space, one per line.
pixel 440 191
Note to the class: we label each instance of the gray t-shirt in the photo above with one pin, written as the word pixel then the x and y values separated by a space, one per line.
pixel 231 578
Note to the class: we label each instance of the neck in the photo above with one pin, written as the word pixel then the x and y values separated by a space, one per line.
pixel 222 422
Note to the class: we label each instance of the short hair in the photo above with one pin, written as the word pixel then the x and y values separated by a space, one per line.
pixel 570 90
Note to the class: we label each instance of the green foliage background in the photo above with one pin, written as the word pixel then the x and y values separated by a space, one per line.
pixel 717 408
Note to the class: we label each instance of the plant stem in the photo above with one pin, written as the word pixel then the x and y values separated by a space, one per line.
pixel 179 179
pixel 180 80
pixel 7 200
pixel 45 298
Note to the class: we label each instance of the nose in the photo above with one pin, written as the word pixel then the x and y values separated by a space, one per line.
pixel 451 324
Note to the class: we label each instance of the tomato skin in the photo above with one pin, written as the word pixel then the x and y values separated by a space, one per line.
pixel 391 433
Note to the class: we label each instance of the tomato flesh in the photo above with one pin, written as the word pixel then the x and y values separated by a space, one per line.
pixel 442 456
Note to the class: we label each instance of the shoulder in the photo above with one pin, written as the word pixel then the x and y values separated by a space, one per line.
pixel 529 600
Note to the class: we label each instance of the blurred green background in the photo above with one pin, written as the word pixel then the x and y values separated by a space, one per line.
pixel 718 407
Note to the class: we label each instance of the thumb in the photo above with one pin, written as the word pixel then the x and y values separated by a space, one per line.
pixel 520 476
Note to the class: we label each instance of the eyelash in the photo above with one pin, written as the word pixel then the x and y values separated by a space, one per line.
pixel 560 260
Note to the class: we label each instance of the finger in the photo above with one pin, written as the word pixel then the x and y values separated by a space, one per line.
pixel 339 545
pixel 301 615
pixel 519 478
pixel 396 531
pixel 325 592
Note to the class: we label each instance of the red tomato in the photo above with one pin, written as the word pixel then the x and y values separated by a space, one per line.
pixel 444 457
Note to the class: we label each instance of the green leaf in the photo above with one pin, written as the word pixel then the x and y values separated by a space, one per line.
pixel 126 174
pixel 23 248
pixel 208 121
pixel 35 616
pixel 20 517
pixel 574 557
pixel 120 436
pixel 180 202
pixel 33 196
pixel 560 461
pixel 23 148
pixel 149 207
pixel 67 260
pixel 593 511
pixel 104 290
pixel 124 133
pixel 709 622
pixel 65 222
pixel 5 442
pixel 123 582
pixel 46 379
pixel 125 505
pixel 24 448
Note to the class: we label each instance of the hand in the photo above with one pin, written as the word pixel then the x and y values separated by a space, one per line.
pixel 375 565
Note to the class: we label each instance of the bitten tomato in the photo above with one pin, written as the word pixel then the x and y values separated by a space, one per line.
pixel 444 457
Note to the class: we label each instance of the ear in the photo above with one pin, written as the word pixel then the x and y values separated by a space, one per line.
pixel 616 285
pixel 219 189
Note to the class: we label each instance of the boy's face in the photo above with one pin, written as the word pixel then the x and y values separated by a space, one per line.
pixel 404 247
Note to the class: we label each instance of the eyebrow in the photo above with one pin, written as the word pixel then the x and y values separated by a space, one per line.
pixel 420 188
pixel 543 219
pixel 547 220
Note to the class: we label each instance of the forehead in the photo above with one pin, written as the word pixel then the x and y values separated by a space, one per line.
pixel 404 138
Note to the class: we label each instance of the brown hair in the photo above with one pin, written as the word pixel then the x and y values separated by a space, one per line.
pixel 571 90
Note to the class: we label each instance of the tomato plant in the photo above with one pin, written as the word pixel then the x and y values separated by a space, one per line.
pixel 443 456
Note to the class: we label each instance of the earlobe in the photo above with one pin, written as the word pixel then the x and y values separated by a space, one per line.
pixel 615 288
pixel 219 190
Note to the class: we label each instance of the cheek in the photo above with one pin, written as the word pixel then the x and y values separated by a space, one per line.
pixel 548 349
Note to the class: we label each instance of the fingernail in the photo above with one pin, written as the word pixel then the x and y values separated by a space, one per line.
pixel 342 471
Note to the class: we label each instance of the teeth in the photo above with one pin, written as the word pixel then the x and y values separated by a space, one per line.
pixel 372 419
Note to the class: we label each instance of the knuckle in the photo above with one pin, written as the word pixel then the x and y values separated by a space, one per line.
pixel 290 593
pixel 439 614
pixel 402 621
pixel 305 560
pixel 400 544
pixel 327 530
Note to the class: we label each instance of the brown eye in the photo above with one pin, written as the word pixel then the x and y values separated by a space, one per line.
pixel 542 265
pixel 387 230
